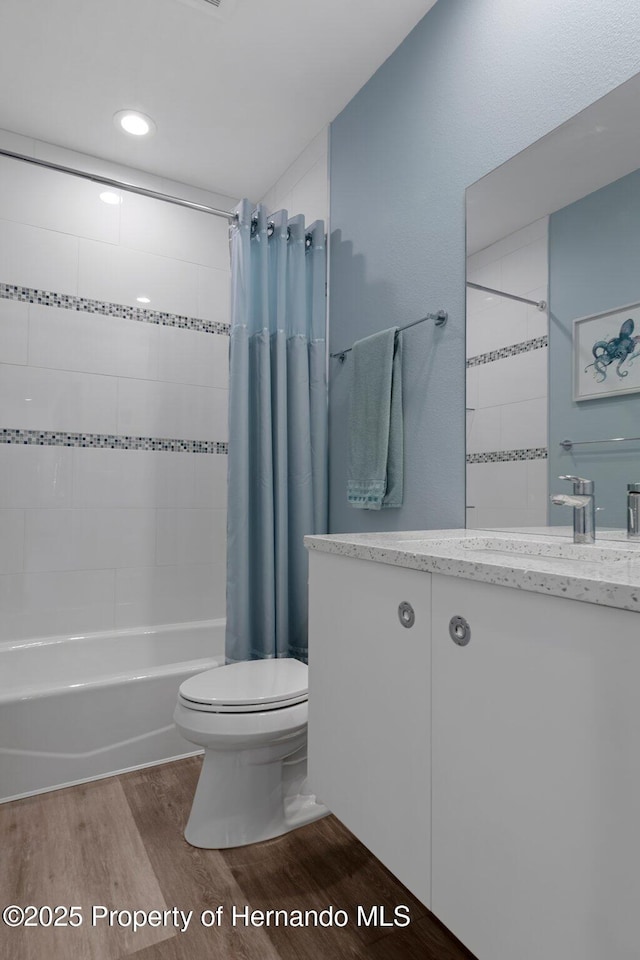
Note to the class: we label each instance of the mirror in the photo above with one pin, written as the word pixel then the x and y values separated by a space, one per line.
pixel 553 322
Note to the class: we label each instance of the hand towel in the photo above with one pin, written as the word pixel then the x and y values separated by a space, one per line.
pixel 376 443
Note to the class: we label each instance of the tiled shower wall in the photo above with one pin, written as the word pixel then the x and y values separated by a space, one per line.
pixel 113 414
pixel 507 357
pixel 304 186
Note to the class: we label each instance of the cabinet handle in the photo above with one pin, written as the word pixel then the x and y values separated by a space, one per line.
pixel 406 614
pixel 459 631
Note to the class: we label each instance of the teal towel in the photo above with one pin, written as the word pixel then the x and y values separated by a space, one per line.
pixel 376 443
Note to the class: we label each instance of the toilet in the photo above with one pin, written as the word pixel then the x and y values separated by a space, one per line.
pixel 251 719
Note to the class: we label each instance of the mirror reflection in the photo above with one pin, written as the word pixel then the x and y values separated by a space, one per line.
pixel 553 323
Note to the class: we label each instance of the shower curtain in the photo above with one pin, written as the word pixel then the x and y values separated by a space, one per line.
pixel 277 430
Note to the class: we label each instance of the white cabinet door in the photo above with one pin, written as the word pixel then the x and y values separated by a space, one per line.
pixel 536 775
pixel 369 708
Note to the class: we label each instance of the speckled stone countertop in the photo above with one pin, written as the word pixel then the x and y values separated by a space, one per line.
pixel 606 573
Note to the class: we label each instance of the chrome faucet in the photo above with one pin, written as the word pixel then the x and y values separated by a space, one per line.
pixel 584 508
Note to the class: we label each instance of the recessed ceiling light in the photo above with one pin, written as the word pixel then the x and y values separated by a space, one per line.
pixel 143 299
pixel 134 123
pixel 108 196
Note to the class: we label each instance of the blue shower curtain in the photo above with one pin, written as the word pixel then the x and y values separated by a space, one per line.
pixel 277 429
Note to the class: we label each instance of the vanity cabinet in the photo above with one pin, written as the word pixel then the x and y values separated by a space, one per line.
pixel 536 774
pixel 370 707
pixel 500 779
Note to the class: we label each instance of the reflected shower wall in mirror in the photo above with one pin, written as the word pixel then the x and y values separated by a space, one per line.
pixel 560 222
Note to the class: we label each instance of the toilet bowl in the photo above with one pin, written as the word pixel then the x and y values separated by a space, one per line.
pixel 251 719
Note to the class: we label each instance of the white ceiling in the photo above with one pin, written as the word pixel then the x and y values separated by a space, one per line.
pixel 235 101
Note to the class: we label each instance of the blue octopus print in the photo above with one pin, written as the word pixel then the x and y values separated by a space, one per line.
pixel 619 350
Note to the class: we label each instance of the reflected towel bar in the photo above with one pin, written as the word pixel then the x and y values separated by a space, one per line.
pixel 568 444
pixel 540 304
pixel 439 318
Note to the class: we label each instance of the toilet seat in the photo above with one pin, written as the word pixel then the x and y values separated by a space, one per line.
pixel 248 687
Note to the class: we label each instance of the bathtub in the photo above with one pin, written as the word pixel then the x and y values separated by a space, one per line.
pixel 80 708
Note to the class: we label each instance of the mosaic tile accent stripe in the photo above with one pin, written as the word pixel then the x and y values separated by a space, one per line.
pixel 502 456
pixel 511 351
pixel 68 302
pixel 54 438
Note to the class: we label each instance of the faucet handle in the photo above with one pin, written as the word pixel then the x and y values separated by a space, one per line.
pixel 580 484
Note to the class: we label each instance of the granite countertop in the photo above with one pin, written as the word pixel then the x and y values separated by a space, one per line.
pixel 606 573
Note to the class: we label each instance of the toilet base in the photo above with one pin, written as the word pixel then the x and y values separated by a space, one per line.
pixel 239 801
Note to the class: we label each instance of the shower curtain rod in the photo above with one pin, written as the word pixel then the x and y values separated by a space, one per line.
pixel 540 304
pixel 440 318
pixel 120 185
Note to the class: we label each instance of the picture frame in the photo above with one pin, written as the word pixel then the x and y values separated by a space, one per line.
pixel 606 353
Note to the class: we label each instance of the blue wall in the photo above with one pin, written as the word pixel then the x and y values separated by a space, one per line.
pixel 594 265
pixel 475 82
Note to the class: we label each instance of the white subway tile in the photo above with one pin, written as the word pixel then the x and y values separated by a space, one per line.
pixel 538 488
pixel 481 258
pixel 86 539
pixel 93 343
pixel 171 594
pixel 11 540
pixel 191 536
pixel 526 268
pixel 172 410
pixel 473 521
pixel 520 377
pixel 500 325
pixel 479 301
pixel 214 294
pixel 44 198
pixel 121 275
pixel 533 231
pixel 310 195
pixel 33 398
pixel 523 424
pixel 495 518
pixel 537 320
pixel 39 258
pixel 11 621
pixel 14 331
pixel 209 198
pixel 486 271
pixel 133 478
pixel 167 230
pixel 193 357
pixel 502 485
pixel 211 480
pixel 34 476
pixel 270 199
pixel 483 430
pixel 473 381
pixel 315 152
pixel 52 603
pixel 174 478
pixel 96 165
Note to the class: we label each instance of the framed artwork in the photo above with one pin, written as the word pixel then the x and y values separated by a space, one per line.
pixel 606 353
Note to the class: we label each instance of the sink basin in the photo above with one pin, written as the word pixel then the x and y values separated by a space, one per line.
pixel 561 550
pixel 517 549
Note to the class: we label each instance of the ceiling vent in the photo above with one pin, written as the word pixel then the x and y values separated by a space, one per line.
pixel 220 9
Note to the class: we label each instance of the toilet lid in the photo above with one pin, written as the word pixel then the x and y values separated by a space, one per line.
pixel 249 686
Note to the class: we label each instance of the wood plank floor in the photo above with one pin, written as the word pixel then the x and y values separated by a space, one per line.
pixel 119 843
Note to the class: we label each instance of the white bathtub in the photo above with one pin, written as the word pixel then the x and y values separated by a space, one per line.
pixel 79 708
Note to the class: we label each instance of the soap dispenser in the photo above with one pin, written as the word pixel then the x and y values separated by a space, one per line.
pixel 633 510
